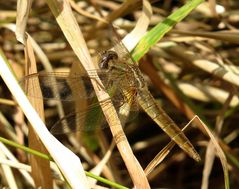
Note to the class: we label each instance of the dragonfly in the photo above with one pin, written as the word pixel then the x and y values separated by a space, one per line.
pixel 123 80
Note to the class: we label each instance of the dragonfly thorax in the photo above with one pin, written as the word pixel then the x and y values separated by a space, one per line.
pixel 106 57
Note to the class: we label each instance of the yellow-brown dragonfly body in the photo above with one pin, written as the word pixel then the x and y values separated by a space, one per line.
pixel 121 76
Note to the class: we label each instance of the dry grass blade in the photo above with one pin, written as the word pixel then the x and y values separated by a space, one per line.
pixel 159 158
pixel 48 67
pixel 229 36
pixel 100 166
pixel 207 93
pixel 39 165
pixel 85 13
pixel 131 40
pixel 12 158
pixel 219 152
pixel 189 54
pixel 162 154
pixel 46 63
pixel 23 10
pixel 221 71
pixel 210 153
pixel 19 166
pixel 71 30
pixel 8 102
pixel 7 171
pixel 73 171
pixel 74 36
pixel 119 12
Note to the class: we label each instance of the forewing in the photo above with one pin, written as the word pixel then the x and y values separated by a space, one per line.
pixel 63 84
pixel 60 85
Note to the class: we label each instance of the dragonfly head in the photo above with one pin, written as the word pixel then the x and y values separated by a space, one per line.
pixel 106 57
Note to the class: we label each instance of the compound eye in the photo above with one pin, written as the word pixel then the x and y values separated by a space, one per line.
pixel 104 63
pixel 112 55
pixel 106 57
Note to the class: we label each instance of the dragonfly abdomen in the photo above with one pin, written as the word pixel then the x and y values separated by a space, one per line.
pixel 147 102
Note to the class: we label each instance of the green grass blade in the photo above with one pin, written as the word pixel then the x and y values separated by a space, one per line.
pixel 156 33
pixel 45 156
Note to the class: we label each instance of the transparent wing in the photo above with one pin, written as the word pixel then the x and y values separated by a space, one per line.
pixel 121 50
pixel 60 85
pixel 64 87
